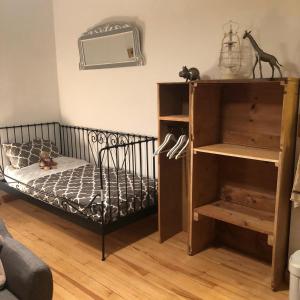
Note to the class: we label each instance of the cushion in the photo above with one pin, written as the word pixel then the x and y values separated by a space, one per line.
pixel 2 273
pixel 7 295
pixel 27 277
pixel 22 155
pixel 3 230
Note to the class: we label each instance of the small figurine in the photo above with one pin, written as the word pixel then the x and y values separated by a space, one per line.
pixel 46 162
pixel 262 56
pixel 189 74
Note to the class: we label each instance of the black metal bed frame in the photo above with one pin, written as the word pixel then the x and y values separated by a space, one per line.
pixel 125 152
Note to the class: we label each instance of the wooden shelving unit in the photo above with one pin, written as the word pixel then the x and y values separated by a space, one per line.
pixel 234 187
pixel 241 169
pixel 239 215
pixel 241 151
pixel 175 118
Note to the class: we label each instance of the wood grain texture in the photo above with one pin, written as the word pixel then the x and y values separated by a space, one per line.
pixel 253 123
pixel 170 197
pixel 138 266
pixel 174 99
pixel 173 117
pixel 239 215
pixel 241 151
pixel 204 189
pixel 251 114
pixel 205 114
pixel 285 180
pixel 248 196
pixel 176 118
pixel 250 242
pixel 204 102
pixel 254 175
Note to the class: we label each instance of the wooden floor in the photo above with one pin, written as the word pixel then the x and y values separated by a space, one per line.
pixel 138 266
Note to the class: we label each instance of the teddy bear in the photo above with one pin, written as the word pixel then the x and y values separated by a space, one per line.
pixel 46 162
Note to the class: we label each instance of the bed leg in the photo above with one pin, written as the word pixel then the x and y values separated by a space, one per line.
pixel 102 229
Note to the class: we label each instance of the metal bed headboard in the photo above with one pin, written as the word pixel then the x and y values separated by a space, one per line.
pixel 28 133
pixel 73 141
pixel 86 143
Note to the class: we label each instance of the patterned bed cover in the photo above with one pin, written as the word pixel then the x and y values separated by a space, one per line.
pixel 79 182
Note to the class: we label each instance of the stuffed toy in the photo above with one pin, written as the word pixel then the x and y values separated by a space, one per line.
pixel 46 162
pixel 2 273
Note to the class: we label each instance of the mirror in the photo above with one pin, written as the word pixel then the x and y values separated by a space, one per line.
pixel 110 46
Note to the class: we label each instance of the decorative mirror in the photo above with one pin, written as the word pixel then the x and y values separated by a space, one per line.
pixel 110 46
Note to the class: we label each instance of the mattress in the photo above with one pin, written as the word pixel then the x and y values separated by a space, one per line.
pixel 79 182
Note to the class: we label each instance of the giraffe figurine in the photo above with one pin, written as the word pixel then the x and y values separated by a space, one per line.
pixel 262 56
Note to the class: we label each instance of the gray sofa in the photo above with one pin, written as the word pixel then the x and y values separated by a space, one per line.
pixel 28 278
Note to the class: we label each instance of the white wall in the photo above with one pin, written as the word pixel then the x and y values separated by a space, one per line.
pixel 175 33
pixel 28 75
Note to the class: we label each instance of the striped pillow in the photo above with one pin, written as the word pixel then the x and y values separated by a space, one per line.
pixel 22 155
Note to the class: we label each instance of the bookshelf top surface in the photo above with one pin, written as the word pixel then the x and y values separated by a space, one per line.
pixel 224 81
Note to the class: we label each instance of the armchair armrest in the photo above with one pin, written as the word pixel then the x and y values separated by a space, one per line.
pixel 3 231
pixel 28 278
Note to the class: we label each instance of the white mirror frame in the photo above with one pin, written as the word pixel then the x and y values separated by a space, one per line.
pixel 104 30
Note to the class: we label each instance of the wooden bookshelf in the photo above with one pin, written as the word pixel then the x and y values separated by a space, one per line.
pixel 233 187
pixel 175 118
pixel 241 151
pixel 243 143
pixel 239 215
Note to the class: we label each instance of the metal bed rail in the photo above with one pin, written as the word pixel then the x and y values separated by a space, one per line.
pixel 134 170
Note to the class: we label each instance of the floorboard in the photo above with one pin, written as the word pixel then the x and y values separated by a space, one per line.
pixel 138 267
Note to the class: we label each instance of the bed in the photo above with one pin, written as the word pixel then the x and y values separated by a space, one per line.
pixel 105 177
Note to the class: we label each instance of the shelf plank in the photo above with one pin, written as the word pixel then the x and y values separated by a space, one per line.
pixel 246 217
pixel 177 118
pixel 241 151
